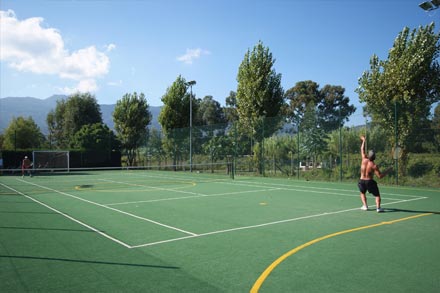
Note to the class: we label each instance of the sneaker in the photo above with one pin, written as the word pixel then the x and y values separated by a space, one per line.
pixel 364 208
pixel 380 210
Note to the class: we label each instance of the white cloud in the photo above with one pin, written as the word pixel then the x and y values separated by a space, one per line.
pixel 110 47
pixel 192 54
pixel 27 46
pixel 85 85
pixel 115 83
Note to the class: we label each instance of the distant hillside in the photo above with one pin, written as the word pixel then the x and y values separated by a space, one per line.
pixel 38 109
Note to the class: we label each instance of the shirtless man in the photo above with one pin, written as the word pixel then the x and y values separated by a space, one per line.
pixel 366 182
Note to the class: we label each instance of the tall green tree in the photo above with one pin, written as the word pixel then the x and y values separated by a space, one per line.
pixel 259 91
pixel 259 95
pixel 70 115
pixel 131 117
pixel 403 87
pixel 23 133
pixel 174 116
pixel 175 110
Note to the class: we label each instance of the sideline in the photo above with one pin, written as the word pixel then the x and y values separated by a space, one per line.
pixel 270 268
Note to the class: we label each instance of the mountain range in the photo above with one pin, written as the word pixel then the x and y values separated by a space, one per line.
pixel 39 108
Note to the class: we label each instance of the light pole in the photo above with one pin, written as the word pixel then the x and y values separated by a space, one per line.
pixel 190 84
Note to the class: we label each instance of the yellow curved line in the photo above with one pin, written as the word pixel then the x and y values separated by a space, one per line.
pixel 270 268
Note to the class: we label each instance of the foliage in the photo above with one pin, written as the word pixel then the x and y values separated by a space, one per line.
pixel 175 110
pixel 175 115
pixel 230 110
pixel 95 137
pixel 331 104
pixel 210 112
pixel 22 133
pixel 154 145
pixel 70 115
pixel 259 91
pixel 313 136
pixel 420 168
pixel 406 84
pixel 131 117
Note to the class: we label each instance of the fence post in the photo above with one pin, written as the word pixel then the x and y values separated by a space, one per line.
pixel 396 142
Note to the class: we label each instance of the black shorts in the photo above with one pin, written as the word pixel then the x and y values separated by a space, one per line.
pixel 370 186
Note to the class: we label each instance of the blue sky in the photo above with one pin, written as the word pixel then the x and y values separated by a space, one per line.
pixel 113 47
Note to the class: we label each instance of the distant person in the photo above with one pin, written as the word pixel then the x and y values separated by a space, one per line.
pixel 366 182
pixel 26 166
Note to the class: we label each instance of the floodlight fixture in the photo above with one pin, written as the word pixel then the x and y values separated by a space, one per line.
pixel 430 5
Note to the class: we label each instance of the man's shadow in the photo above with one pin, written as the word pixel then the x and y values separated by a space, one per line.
pixel 391 210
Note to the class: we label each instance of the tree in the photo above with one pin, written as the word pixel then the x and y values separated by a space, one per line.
pixel 154 146
pixel 436 118
pixel 313 136
pixel 131 117
pixel 301 95
pixel 96 137
pixel 332 106
pixel 23 133
pixel 175 115
pixel 259 91
pixel 400 90
pixel 259 95
pixel 210 112
pixel 70 115
pixel 230 110
pixel 175 110
pixel 436 127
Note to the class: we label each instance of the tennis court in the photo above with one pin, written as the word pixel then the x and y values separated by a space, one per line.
pixel 162 231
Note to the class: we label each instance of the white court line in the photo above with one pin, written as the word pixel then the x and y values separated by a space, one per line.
pixel 261 185
pixel 152 187
pixel 263 225
pixel 110 208
pixel 190 197
pixel 290 187
pixel 334 189
pixel 307 189
pixel 69 217
pixel 193 235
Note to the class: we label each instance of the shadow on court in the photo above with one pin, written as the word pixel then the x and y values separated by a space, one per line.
pixel 87 261
pixel 391 210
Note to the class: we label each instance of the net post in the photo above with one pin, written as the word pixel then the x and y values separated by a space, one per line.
pixel 68 161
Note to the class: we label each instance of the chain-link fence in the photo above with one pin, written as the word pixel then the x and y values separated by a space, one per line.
pixel 280 147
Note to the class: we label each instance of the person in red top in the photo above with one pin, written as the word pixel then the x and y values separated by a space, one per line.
pixel 26 165
pixel 366 182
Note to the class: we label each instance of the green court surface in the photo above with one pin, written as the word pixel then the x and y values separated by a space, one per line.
pixel 152 231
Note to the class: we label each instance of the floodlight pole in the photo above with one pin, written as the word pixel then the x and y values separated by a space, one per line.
pixel 190 84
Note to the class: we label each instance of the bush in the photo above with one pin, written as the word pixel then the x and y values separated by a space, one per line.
pixel 420 168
